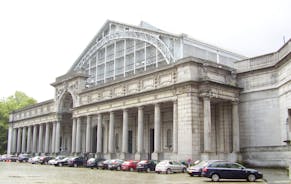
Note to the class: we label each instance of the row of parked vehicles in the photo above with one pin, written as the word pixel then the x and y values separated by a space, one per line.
pixel 213 169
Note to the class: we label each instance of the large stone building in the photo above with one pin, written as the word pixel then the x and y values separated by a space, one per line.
pixel 138 92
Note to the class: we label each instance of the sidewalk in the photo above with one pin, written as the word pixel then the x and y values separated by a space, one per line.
pixel 275 176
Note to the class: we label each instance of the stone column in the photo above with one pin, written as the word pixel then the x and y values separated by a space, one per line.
pixel 40 137
pixel 88 134
pixel 74 135
pixel 157 125
pixel 125 131
pixel 23 144
pixel 78 135
pixel 19 131
pixel 47 137
pixel 14 140
pixel 99 133
pixel 235 127
pixel 54 137
pixel 58 137
pixel 9 143
pixel 207 124
pixel 19 140
pixel 140 130
pixel 29 139
pixel 111 133
pixel 175 127
pixel 34 139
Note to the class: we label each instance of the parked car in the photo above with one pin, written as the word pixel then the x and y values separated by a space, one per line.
pixel 104 164
pixel 3 158
pixel 146 165
pixel 53 161
pixel 93 162
pixel 115 164
pixel 229 170
pixel 45 159
pixel 76 162
pixel 62 162
pixel 12 158
pixel 170 166
pixel 34 160
pixel 196 170
pixel 129 165
pixel 24 157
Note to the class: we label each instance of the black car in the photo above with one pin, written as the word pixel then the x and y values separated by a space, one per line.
pixel 77 161
pixel 24 157
pixel 229 170
pixel 93 162
pixel 146 165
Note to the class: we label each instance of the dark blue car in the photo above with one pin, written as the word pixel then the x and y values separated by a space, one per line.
pixel 76 161
pixel 229 170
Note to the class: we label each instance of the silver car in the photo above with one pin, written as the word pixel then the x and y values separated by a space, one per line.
pixel 170 166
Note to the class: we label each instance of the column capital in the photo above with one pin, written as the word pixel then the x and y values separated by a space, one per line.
pixel 175 101
pixel 235 102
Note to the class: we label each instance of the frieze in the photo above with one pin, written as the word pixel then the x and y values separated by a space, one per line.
pixel 165 79
pixel 148 83
pixel 119 91
pixel 132 88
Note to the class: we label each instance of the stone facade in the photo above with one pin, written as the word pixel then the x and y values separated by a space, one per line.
pixel 137 92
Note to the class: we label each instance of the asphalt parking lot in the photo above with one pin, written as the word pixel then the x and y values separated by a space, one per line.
pixel 26 173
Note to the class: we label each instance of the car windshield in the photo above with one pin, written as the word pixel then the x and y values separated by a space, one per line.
pixel 143 162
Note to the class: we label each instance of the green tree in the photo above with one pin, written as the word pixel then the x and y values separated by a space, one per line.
pixel 17 101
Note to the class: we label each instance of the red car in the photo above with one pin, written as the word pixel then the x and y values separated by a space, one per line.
pixel 129 165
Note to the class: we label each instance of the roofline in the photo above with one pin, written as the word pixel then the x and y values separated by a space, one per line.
pixel 216 47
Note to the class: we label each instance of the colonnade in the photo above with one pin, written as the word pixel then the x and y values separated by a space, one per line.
pixel 76 132
pixel 39 139
pixel 35 138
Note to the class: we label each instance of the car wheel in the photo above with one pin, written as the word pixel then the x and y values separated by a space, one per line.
pixel 168 171
pixel 215 177
pixel 118 168
pixel 75 165
pixel 131 169
pixel 60 164
pixel 251 178
pixel 148 169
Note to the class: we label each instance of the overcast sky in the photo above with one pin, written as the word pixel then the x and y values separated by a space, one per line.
pixel 41 39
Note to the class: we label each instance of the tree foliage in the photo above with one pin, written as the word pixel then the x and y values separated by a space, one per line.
pixel 17 101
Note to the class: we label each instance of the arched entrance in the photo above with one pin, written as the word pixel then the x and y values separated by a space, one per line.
pixel 65 115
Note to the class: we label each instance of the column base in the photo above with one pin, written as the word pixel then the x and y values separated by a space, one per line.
pixel 156 156
pixel 235 157
pixel 109 155
pixel 124 156
pixel 140 156
pixel 99 155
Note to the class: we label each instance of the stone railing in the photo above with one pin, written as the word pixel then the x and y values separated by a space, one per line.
pixel 263 61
